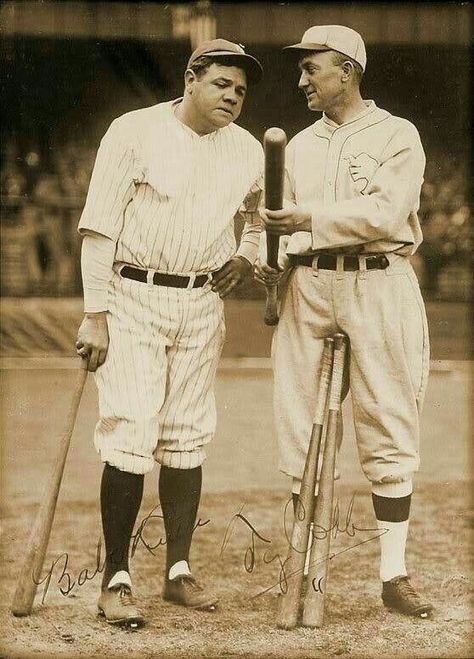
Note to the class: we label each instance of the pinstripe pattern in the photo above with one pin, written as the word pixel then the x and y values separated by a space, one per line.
pixel 167 195
pixel 168 198
pixel 156 384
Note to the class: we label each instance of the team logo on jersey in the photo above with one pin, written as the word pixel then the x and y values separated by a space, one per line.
pixel 361 168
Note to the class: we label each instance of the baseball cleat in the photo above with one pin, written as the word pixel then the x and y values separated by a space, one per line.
pixel 398 594
pixel 185 590
pixel 117 606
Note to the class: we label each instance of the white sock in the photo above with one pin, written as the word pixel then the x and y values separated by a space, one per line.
pixel 179 569
pixel 392 549
pixel 120 577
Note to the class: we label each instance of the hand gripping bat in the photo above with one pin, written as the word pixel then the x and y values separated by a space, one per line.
pixel 37 544
pixel 294 565
pixel 274 143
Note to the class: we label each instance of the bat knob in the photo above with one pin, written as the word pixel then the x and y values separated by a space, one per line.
pixel 275 136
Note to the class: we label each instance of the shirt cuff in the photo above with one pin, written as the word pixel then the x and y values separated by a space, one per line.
pixel 249 251
pixel 95 300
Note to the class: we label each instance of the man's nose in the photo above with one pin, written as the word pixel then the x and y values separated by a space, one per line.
pixel 230 96
pixel 303 81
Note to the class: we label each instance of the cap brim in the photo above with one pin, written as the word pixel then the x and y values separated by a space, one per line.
pixel 307 46
pixel 249 64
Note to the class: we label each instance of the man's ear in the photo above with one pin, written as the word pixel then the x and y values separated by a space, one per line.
pixel 347 71
pixel 189 80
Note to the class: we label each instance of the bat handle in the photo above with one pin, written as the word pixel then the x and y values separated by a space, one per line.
pixel 271 313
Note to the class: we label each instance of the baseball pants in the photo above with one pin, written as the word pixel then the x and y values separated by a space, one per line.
pixel 156 387
pixel 382 312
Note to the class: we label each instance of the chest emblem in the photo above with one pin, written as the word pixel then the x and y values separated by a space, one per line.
pixel 361 168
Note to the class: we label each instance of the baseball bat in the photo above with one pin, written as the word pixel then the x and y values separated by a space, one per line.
pixel 294 566
pixel 274 143
pixel 30 574
pixel 318 573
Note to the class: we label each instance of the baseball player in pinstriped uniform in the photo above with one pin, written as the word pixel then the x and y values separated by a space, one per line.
pixel 158 256
pixel 348 226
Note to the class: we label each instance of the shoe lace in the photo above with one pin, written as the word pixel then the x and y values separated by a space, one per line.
pixel 190 582
pixel 406 589
pixel 126 597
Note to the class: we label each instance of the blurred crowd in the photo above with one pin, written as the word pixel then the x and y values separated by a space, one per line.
pixel 41 204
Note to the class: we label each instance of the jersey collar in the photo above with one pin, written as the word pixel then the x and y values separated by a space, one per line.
pixel 324 127
pixel 189 131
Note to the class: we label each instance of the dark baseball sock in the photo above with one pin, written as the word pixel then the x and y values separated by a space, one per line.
pixel 388 509
pixel 120 499
pixel 180 494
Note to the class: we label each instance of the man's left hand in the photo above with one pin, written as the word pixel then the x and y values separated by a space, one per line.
pixel 233 273
pixel 287 221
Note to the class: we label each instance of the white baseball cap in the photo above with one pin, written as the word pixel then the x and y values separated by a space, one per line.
pixel 334 37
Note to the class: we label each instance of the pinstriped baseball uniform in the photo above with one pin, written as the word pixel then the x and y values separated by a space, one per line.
pixel 168 197
pixel 361 182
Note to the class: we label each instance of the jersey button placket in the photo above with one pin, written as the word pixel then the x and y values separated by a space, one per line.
pixel 331 168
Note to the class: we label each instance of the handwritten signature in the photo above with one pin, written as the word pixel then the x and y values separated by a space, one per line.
pixel 317 532
pixel 67 582
pixel 145 535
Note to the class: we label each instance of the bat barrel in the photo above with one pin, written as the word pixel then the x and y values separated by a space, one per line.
pixel 30 573
pixel 294 565
pixel 313 612
pixel 274 143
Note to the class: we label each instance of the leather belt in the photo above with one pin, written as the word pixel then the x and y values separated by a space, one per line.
pixel 163 278
pixel 350 261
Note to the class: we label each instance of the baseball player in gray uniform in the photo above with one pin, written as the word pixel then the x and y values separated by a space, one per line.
pixel 348 226
pixel 158 256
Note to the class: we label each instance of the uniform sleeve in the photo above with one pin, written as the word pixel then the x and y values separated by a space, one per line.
pixel 382 211
pixel 112 184
pixel 249 240
pixel 97 257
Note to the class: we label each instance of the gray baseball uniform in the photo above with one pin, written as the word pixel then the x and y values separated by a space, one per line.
pixel 361 182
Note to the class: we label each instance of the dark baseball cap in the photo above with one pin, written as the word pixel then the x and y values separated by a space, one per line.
pixel 229 52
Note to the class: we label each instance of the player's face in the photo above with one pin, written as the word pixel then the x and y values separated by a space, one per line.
pixel 217 96
pixel 320 80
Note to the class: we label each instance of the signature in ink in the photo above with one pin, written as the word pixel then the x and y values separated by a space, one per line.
pixel 66 582
pixel 177 528
pixel 339 526
pixel 249 556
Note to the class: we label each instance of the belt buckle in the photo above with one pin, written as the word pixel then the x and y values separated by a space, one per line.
pixel 192 279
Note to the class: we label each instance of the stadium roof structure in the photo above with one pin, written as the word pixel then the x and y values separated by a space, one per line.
pixel 422 23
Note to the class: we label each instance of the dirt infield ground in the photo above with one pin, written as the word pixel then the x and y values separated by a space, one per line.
pixel 240 477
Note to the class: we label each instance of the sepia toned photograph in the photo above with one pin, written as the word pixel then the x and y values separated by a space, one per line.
pixel 236 330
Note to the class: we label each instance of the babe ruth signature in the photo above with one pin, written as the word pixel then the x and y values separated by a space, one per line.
pixel 339 526
pixel 68 582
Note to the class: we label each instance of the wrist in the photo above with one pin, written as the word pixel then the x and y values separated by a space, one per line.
pixel 244 260
pixel 304 221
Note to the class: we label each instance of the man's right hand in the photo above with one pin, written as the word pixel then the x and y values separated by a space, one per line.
pixel 265 274
pixel 93 339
